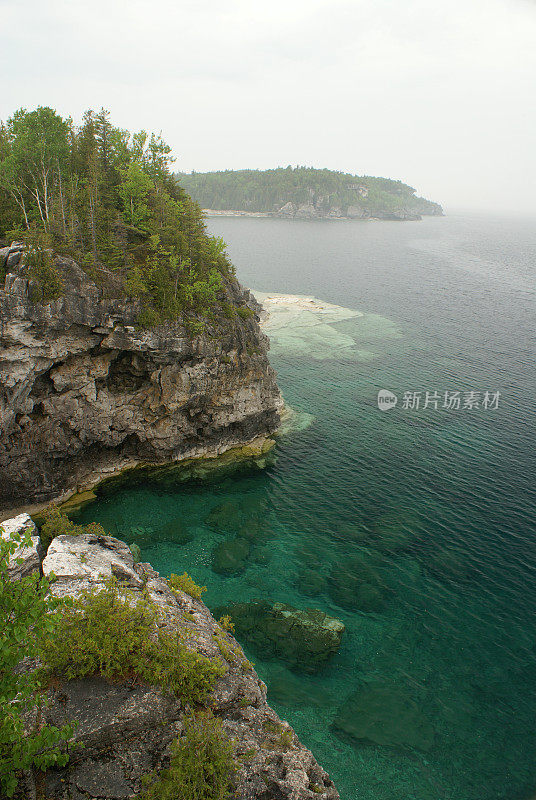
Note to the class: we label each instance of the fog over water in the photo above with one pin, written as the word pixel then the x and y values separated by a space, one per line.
pixel 436 94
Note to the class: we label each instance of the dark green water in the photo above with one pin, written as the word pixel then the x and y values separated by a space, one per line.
pixel 440 502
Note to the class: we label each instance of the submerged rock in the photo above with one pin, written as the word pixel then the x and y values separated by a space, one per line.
pixel 247 519
pixel 394 533
pixel 230 557
pixel 384 714
pixel 356 584
pixel 290 689
pixel 27 556
pixel 225 517
pixel 173 531
pixel 446 564
pixel 311 583
pixel 303 638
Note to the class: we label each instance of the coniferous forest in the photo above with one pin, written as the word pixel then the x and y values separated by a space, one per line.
pixel 108 199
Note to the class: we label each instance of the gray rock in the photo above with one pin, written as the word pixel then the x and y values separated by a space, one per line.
pixel 83 560
pixel 84 392
pixel 288 210
pixel 355 212
pixel 12 259
pixel 126 729
pixel 4 252
pixel 27 556
pixel 307 211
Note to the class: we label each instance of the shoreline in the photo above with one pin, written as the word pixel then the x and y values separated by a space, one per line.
pixel 212 212
pixel 226 456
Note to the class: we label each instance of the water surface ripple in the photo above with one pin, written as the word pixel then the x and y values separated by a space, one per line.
pixel 441 502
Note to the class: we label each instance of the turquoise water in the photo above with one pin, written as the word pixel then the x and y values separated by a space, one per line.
pixel 439 504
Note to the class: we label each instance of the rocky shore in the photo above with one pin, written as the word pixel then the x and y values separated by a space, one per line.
pixel 124 730
pixel 311 211
pixel 85 392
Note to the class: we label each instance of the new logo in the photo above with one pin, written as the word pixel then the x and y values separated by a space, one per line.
pixel 386 400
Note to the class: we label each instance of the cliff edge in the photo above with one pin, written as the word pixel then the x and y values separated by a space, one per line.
pixel 125 729
pixel 85 391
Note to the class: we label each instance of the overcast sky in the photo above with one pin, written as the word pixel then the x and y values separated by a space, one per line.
pixel 439 94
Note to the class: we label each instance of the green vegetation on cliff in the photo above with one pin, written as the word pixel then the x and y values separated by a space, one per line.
pixel 327 192
pixel 107 199
pixel 25 610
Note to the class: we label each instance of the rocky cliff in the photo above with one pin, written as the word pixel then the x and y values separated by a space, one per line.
pixel 124 730
pixel 84 391
pixel 320 207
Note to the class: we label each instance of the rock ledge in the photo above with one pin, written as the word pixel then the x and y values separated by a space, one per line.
pixel 126 729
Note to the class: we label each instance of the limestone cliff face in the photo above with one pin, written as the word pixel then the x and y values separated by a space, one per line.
pixel 84 391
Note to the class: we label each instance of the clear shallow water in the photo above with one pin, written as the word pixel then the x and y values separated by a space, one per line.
pixel 448 304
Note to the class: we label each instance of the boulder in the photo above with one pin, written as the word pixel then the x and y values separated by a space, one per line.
pixel 230 556
pixel 384 714
pixel 303 638
pixel 84 560
pixel 25 560
pixel 225 517
pixel 355 212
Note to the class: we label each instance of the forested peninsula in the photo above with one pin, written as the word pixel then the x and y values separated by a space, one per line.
pixel 306 193
pixel 125 338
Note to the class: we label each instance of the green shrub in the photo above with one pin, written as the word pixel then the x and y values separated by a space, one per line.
pixel 38 258
pixel 185 583
pixel 116 635
pixel 244 312
pixel 148 318
pixel 201 766
pixel 226 623
pixel 24 609
pixel 135 549
pixel 57 523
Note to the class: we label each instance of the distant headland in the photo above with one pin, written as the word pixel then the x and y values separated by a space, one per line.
pixel 305 193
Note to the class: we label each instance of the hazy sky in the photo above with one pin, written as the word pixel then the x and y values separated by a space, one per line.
pixel 439 94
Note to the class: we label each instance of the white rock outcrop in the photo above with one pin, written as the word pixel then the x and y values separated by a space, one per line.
pixel 77 562
pixel 25 560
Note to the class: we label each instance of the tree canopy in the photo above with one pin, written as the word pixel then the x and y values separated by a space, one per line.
pixel 107 197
